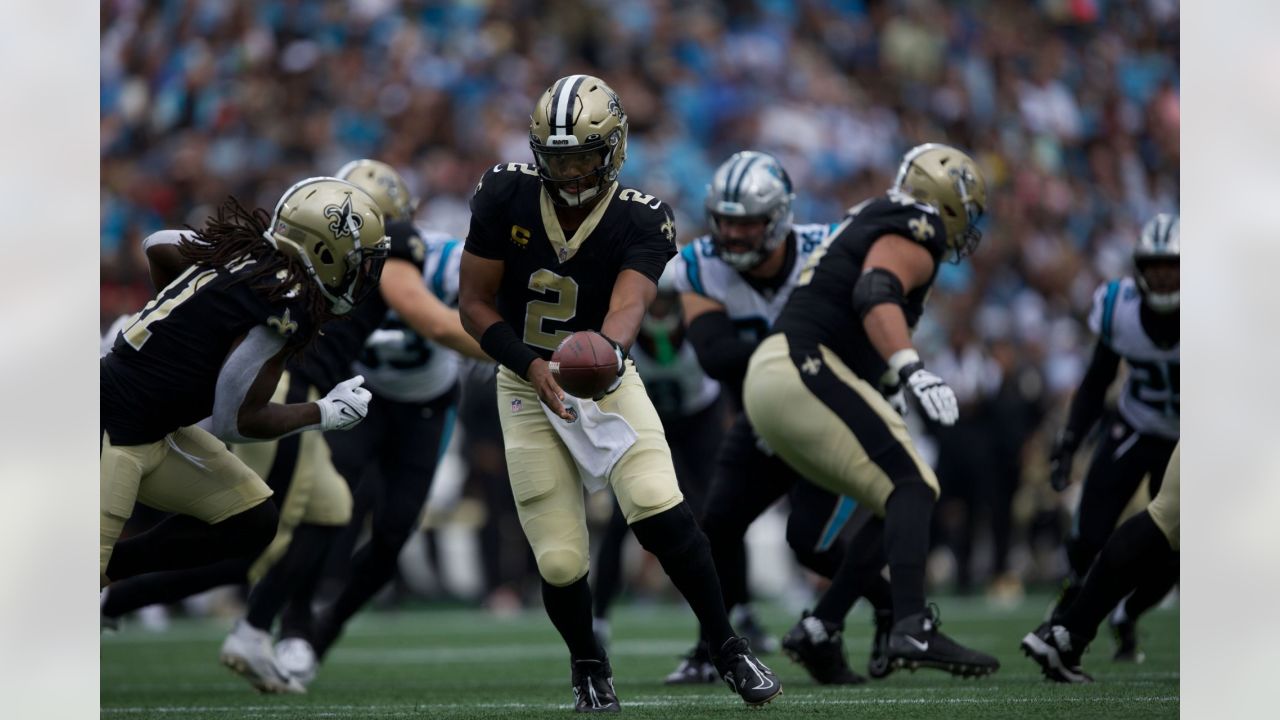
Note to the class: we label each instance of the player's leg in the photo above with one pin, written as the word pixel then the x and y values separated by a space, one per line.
pixel 838 431
pixel 608 573
pixel 645 484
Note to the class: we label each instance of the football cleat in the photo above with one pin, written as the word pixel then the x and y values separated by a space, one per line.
pixel 744 619
pixel 1125 632
pixel 695 668
pixel 593 687
pixel 915 642
pixel 1057 653
pixel 754 682
pixel 818 647
pixel 247 651
pixel 297 658
pixel 879 666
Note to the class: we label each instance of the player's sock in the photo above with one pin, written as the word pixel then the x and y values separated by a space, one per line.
pixel 304 557
pixel 679 544
pixel 906 542
pixel 858 576
pixel 171 586
pixel 569 608
pixel 180 542
pixel 729 554
pixel 1137 542
pixel 372 567
pixel 608 572
pixel 1156 582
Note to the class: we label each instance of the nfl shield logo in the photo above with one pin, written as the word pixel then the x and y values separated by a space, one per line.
pixel 516 405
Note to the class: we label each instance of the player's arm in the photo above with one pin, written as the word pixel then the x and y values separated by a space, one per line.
pixel 722 353
pixel 164 261
pixel 632 295
pixel 1086 408
pixel 895 266
pixel 404 291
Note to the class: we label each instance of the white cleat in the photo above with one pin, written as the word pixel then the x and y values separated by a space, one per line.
pixel 297 658
pixel 247 651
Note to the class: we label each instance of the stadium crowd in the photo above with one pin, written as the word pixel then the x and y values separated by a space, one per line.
pixel 1071 108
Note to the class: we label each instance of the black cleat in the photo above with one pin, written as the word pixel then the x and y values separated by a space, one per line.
pixel 1057 653
pixel 744 620
pixel 879 666
pixel 593 687
pixel 754 682
pixel 1125 633
pixel 818 646
pixel 915 642
pixel 695 668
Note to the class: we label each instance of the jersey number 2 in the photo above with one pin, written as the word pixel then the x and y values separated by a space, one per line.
pixel 564 308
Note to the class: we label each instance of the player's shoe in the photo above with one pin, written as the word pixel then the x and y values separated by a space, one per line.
pixel 297 658
pixel 818 647
pixel 743 619
pixel 879 666
pixel 754 682
pixel 915 642
pixel 1057 652
pixel 695 668
pixel 593 687
pixel 247 651
pixel 1124 630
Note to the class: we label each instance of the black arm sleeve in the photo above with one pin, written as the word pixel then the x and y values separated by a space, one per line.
pixel 1086 406
pixel 721 353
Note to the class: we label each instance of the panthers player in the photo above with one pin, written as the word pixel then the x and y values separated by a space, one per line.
pixel 554 248
pixel 1135 318
pixel 1150 538
pixel 212 344
pixel 812 392
pixel 733 283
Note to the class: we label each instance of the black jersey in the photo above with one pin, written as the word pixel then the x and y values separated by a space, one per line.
pixel 553 286
pixel 161 373
pixel 821 307
pixel 328 361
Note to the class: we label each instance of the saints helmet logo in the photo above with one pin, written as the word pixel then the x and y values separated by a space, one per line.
pixel 283 324
pixel 344 222
pixel 921 228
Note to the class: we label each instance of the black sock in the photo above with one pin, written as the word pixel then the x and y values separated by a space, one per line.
pixel 569 608
pixel 1155 582
pixel 171 586
pixel 609 563
pixel 675 539
pixel 181 542
pixel 304 557
pixel 858 576
pixel 1137 542
pixel 371 569
pixel 906 542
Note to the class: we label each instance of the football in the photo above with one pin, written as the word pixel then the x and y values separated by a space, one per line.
pixel 584 364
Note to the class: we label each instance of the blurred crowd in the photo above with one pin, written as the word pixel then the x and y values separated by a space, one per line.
pixel 1070 106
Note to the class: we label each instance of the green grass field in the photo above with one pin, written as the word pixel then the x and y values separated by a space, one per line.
pixel 437 664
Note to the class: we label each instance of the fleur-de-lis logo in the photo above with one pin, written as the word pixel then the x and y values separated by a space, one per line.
pixel 921 228
pixel 283 324
pixel 668 229
pixel 344 223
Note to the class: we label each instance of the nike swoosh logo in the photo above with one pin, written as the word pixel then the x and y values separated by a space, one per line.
pixel 921 646
pixel 765 683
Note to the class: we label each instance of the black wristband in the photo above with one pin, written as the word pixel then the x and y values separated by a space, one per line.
pixel 907 370
pixel 501 343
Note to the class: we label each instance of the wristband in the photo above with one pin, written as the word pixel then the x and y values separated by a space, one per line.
pixel 903 359
pixel 501 343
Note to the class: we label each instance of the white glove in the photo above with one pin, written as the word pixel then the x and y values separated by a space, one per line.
pixel 936 398
pixel 345 405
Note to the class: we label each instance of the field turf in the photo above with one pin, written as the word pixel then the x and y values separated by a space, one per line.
pixel 438 664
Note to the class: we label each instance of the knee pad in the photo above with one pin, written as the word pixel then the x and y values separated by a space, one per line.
pixel 562 567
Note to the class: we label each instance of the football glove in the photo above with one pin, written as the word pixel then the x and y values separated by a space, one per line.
pixel 893 392
pixel 1060 457
pixel 936 398
pixel 345 405
pixel 622 355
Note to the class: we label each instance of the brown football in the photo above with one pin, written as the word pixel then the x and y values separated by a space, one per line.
pixel 584 364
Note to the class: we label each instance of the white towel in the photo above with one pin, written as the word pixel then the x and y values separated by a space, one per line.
pixel 596 439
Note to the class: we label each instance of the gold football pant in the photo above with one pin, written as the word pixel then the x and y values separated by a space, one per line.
pixel 545 482
pixel 832 426
pixel 1164 509
pixel 189 472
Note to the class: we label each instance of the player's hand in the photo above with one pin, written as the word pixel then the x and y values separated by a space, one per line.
pixel 548 390
pixel 936 398
pixel 897 397
pixel 1060 457
pixel 345 405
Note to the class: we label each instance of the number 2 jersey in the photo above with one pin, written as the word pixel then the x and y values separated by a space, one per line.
pixel 553 285
pixel 1149 400
pixel 397 362
pixel 821 310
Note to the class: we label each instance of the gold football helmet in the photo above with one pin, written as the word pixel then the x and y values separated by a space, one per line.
pixel 337 231
pixel 949 180
pixel 385 185
pixel 578 133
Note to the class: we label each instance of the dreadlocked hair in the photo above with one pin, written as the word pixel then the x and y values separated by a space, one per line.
pixel 234 234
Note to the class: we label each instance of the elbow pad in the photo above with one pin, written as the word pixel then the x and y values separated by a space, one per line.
pixel 877 286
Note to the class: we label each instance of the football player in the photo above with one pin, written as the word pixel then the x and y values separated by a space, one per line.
pixel 1150 538
pixel 813 387
pixel 212 344
pixel 733 283
pixel 1135 319
pixel 557 247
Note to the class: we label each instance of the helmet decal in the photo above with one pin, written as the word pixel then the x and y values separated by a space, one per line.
pixel 344 222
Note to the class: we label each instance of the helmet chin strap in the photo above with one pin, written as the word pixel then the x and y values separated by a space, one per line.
pixel 581 198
